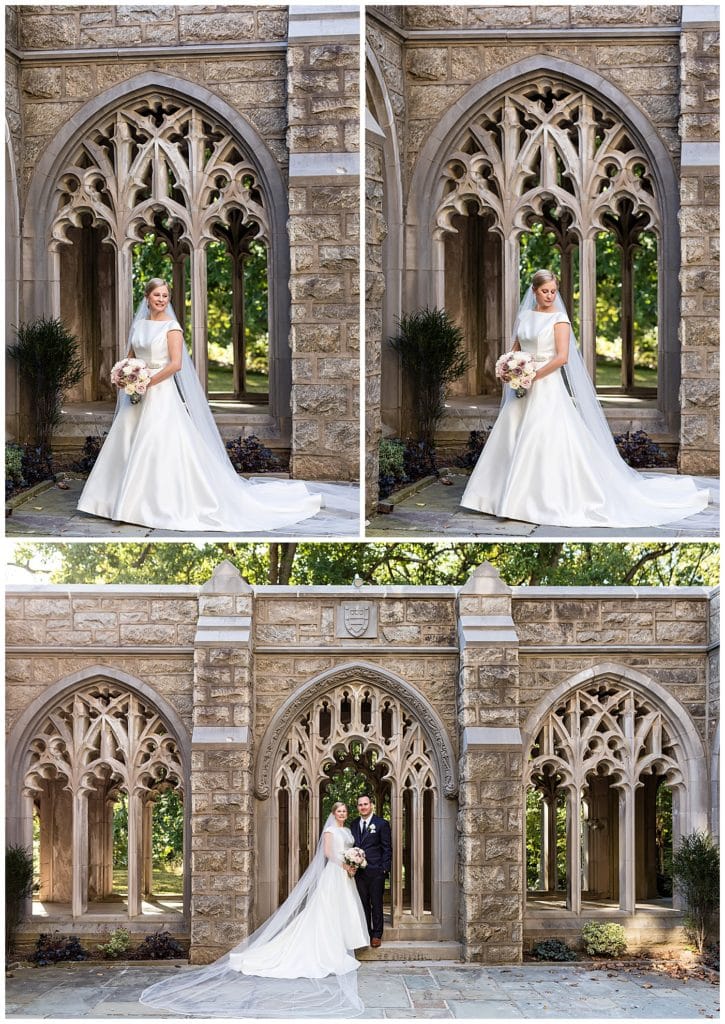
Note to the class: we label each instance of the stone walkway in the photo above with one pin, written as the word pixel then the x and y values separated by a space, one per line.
pixel 52 513
pixel 394 989
pixel 434 511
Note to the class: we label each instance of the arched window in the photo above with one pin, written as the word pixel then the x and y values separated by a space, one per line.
pixel 605 777
pixel 546 174
pixel 159 169
pixel 101 753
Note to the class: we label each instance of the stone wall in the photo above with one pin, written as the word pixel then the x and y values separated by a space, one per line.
pixel 375 231
pixel 323 141
pixel 227 656
pixel 699 127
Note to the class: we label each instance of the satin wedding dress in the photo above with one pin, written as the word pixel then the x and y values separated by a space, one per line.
pixel 543 464
pixel 300 963
pixel 157 469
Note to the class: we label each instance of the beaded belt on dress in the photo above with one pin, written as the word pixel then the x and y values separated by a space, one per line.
pixel 155 366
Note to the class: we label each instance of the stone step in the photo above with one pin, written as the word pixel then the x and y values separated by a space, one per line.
pixel 399 949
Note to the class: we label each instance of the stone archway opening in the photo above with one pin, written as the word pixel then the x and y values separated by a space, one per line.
pixel 352 736
pixel 605 782
pixel 97 763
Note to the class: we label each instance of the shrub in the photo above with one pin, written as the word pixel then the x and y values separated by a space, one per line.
pixel 117 945
pixel 13 468
pixel 18 886
pixel 159 946
pixel 419 459
pixel 553 949
pixel 639 450
pixel 474 447
pixel 696 875
pixel 604 939
pixel 91 450
pixel 249 455
pixel 391 466
pixel 431 352
pixel 55 948
pixel 48 362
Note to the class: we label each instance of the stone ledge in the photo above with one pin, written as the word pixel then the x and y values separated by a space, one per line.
pixel 477 739
pixel 225 737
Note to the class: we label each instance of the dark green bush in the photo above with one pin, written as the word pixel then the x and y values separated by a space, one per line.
pixel 159 946
pixel 55 948
pixel 696 874
pixel 553 949
pixel 604 939
pixel 18 886
pixel 639 450
pixel 249 455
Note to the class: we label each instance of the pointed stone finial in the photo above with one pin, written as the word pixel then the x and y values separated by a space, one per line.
pixel 226 579
pixel 485 579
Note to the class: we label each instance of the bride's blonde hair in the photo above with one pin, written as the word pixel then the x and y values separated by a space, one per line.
pixel 155 282
pixel 541 277
pixel 338 803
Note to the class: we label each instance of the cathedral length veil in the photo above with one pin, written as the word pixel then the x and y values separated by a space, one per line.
pixel 221 991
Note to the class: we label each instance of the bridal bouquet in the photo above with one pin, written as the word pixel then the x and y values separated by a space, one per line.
pixel 355 858
pixel 516 369
pixel 133 376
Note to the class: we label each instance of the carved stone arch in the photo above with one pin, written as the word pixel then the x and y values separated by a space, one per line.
pixel 363 717
pixel 393 243
pixel 425 272
pixel 157 739
pixel 361 672
pixel 42 292
pixel 12 283
pixel 611 722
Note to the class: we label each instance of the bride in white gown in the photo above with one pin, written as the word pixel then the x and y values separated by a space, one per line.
pixel 300 963
pixel 164 464
pixel 551 457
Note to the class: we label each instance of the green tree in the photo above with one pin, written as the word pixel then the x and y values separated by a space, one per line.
pixel 443 563
pixel 696 872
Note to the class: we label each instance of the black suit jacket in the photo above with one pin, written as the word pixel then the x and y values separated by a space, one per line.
pixel 376 843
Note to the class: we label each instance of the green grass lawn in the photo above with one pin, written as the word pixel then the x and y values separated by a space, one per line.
pixel 221 380
pixel 609 374
pixel 166 882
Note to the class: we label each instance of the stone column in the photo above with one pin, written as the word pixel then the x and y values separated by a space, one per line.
pixel 573 851
pixel 375 285
pixel 147 860
pixel 198 314
pixel 491 805
pixel 587 304
pixel 222 831
pixel 135 852
pixel 124 299
pixel 323 144
pixel 699 246
pixel 79 900
pixel 627 848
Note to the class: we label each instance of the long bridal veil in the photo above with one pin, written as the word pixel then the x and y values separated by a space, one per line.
pixel 220 990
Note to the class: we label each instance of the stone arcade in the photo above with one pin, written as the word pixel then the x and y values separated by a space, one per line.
pixel 484 122
pixel 201 126
pixel 453 702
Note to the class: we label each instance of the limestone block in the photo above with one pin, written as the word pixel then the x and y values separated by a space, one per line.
pixel 699 127
pixel 216 27
pixel 47 117
pixel 320 399
pixel 700 392
pixel 272 24
pixel 333 55
pixel 428 63
pixel 438 16
pixel 328 286
pixel 42 32
pixel 41 83
pixel 467 62
pixel 631 14
pixel 342 436
pixel 142 14
pixel 432 100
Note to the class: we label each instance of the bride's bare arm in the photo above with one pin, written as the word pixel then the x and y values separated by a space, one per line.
pixel 516 347
pixel 561 337
pixel 175 341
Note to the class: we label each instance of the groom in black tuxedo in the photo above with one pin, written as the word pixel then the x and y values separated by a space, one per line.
pixel 372 834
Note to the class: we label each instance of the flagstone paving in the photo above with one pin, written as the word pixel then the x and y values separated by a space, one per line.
pixel 395 990
pixel 53 513
pixel 435 511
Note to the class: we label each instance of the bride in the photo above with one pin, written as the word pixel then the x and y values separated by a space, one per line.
pixel 164 464
pixel 300 963
pixel 550 457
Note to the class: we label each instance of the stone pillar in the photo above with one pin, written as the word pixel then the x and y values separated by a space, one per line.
pixel 375 284
pixel 627 866
pixel 124 298
pixel 491 805
pixel 588 303
pixel 699 229
pixel 79 899
pixel 198 314
pixel 222 830
pixel 573 850
pixel 135 852
pixel 147 859
pixel 323 144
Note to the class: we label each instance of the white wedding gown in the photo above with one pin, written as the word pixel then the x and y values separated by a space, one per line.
pixel 155 469
pixel 306 969
pixel 541 464
pixel 320 940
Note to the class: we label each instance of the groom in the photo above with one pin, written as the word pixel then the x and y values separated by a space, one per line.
pixel 372 834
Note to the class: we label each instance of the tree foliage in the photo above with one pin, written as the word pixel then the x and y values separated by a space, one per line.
pixel 444 563
pixel 696 871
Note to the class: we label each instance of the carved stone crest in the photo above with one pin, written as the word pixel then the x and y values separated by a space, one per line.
pixel 357 619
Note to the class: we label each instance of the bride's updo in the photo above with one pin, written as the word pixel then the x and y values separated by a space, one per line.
pixel 336 805
pixel 543 277
pixel 155 282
